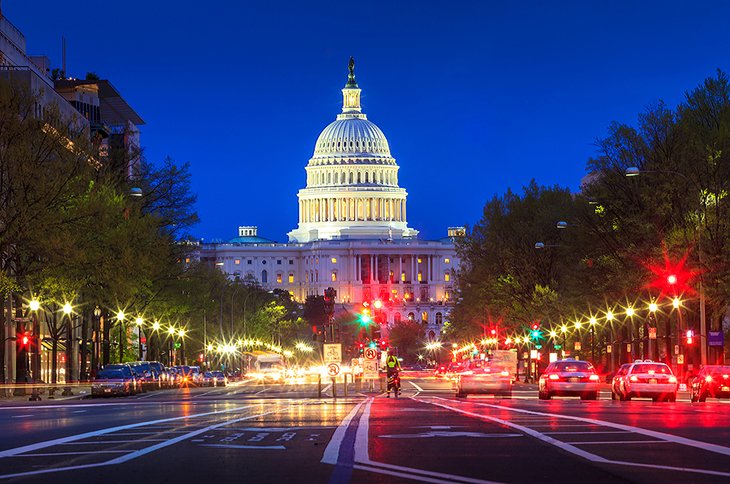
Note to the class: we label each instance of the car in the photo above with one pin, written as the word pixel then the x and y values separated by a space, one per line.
pixel 487 379
pixel 197 375
pixel 440 371
pixel 617 379
pixel 162 374
pixel 128 372
pixel 109 382
pixel 207 379
pixel 712 381
pixel 185 376
pixel 220 379
pixel 569 377
pixel 648 379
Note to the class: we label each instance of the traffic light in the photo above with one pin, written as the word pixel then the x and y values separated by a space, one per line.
pixel 493 332
pixel 383 345
pixel 535 331
pixel 372 345
pixel 25 340
pixel 365 315
pixel 201 357
pixel 690 336
pixel 361 347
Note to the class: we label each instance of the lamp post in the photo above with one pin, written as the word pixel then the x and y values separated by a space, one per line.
pixel 156 330
pixel 609 320
pixel 67 310
pixel 171 333
pixel 35 361
pixel 120 321
pixel 139 321
pixel 633 171
pixel 592 322
pixel 181 333
pixel 96 347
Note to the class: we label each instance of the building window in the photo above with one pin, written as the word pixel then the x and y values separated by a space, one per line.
pixel 334 276
pixel 396 318
pixel 447 276
pixel 237 262
pixel 447 261
pixel 263 261
pixel 187 260
pixel 411 316
pixel 278 278
pixel 249 262
pixel 291 262
pixel 419 260
pixel 424 317
pixel 264 277
pixel 403 276
pixel 420 277
pixel 334 260
pixel 291 278
pixel 278 262
pixel 439 318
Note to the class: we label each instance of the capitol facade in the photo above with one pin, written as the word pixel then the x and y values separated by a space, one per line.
pixel 352 233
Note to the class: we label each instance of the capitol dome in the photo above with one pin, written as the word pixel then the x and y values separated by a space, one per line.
pixel 352 180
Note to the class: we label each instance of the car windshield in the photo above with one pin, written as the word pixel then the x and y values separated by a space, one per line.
pixel 652 368
pixel 718 370
pixel 218 374
pixel 109 374
pixel 572 366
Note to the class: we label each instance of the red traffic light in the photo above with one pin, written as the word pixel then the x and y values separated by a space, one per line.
pixel 535 326
pixel 690 335
pixel 493 332
pixel 201 357
pixel 672 279
pixel 361 345
pixel 25 340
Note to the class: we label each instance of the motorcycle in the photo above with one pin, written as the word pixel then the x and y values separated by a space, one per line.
pixel 394 384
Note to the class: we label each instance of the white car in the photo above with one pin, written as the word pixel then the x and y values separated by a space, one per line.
pixel 569 377
pixel 488 379
pixel 648 379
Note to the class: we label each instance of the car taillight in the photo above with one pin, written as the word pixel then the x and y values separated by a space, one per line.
pixel 553 376
pixel 672 379
pixel 726 376
pixel 593 378
pixel 505 373
pixel 708 378
pixel 633 378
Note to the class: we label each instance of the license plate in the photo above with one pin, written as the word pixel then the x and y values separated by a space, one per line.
pixel 108 390
pixel 726 389
pixel 574 380
pixel 652 380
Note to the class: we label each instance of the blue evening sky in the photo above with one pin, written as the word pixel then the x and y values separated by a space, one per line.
pixel 474 97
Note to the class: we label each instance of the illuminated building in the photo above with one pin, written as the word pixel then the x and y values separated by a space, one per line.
pixel 352 233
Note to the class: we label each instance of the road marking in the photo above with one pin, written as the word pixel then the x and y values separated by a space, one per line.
pixel 20 416
pixel 590 432
pixel 280 429
pixel 137 453
pixel 95 442
pixel 48 443
pixel 324 390
pixel 623 442
pixel 90 452
pixel 428 435
pixel 416 386
pixel 332 451
pixel 256 447
pixel 79 411
pixel 587 455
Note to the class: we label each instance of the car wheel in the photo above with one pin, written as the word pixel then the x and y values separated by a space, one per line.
pixel 693 398
pixel 627 398
pixel 702 397
pixel 672 398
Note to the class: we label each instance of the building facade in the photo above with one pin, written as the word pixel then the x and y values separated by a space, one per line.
pixel 352 232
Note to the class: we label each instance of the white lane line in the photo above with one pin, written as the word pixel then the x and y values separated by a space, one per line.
pixel 79 411
pixel 715 448
pixel 589 433
pixel 324 390
pixel 611 442
pixel 95 433
pixel 257 447
pixel 363 462
pixel 95 442
pixel 332 451
pixel 416 386
pixel 574 450
pixel 141 452
pixel 20 416
pixel 91 452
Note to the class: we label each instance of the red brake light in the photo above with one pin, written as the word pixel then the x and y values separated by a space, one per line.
pixel 553 376
pixel 593 378
pixel 708 378
pixel 633 378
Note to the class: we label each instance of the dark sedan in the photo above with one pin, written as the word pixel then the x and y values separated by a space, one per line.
pixel 112 382
pixel 712 381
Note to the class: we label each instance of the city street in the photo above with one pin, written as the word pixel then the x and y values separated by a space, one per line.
pixel 255 433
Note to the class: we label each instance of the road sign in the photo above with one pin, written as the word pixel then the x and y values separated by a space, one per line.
pixel 715 338
pixel 333 369
pixel 370 370
pixel 370 353
pixel 577 346
pixel 332 353
pixel 680 359
pixel 652 333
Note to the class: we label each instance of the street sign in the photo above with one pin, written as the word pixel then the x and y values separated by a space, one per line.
pixel 609 348
pixel 370 353
pixel 333 369
pixel 676 349
pixel 577 346
pixel 680 359
pixel 652 333
pixel 370 370
pixel 332 353
pixel 715 338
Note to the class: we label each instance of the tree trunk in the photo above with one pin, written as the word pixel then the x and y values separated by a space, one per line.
pixel 105 342
pixel 54 361
pixel 7 310
pixel 21 350
pixel 69 350
pixel 83 347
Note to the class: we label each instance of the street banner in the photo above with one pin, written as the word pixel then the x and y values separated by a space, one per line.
pixel 332 353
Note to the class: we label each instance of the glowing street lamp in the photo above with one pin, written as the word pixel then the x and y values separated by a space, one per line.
pixel 67 309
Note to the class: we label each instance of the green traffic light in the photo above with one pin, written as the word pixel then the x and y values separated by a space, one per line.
pixel 372 345
pixel 536 334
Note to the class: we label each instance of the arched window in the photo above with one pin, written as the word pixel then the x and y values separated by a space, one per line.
pixel 350 178
pixel 396 317
pixel 358 177
pixel 367 178
pixel 424 317
pixel 264 277
pixel 439 318
pixel 431 335
pixel 411 316
pixel 329 178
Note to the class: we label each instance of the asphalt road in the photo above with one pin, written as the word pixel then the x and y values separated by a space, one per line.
pixel 283 433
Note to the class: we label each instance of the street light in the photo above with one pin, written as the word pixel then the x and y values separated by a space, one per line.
pixel 120 320
pixel 34 306
pixel 139 321
pixel 633 171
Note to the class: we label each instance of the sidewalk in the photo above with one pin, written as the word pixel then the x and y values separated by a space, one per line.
pixel 8 392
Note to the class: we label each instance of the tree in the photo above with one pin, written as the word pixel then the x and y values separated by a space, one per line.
pixel 407 336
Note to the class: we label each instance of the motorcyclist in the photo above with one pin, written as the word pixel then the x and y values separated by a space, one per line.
pixel 392 366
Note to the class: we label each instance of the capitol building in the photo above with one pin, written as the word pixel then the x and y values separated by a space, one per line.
pixel 352 234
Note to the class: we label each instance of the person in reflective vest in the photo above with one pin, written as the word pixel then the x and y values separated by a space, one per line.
pixel 392 364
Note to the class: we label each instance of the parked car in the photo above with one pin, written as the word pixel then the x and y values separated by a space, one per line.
pixel 712 381
pixel 485 379
pixel 128 372
pixel 109 382
pixel 648 379
pixel 162 373
pixel 569 377
pixel 207 379
pixel 617 379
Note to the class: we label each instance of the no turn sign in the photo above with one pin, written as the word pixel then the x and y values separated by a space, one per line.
pixel 370 353
pixel 333 369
